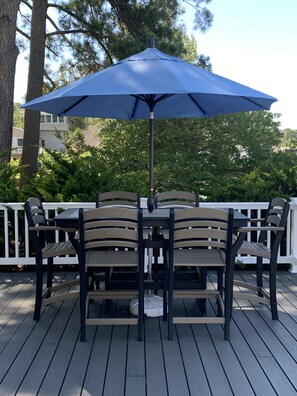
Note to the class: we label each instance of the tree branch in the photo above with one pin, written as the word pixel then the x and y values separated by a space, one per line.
pixel 22 33
pixel 122 17
pixel 65 32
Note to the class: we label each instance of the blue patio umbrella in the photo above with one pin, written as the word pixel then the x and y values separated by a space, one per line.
pixel 149 85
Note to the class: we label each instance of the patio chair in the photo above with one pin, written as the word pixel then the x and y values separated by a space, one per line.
pixel 166 200
pixel 126 199
pixel 201 238
pixel 111 237
pixel 118 198
pixel 270 233
pixel 177 199
pixel 45 248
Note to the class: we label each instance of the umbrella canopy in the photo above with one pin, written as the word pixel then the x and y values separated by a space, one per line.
pixel 151 84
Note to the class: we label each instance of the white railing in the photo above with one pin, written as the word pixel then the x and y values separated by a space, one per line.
pixel 15 245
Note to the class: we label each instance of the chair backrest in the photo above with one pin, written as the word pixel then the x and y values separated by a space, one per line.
pixel 35 212
pixel 118 198
pixel 36 217
pixel 177 199
pixel 201 228
pixel 276 216
pixel 110 227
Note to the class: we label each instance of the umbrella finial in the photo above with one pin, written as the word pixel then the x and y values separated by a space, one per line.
pixel 151 42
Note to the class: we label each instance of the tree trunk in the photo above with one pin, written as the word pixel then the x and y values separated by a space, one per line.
pixel 34 88
pixel 8 56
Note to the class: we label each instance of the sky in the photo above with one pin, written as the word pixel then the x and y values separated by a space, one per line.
pixel 253 42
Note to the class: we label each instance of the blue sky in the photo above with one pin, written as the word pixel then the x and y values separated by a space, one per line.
pixel 253 42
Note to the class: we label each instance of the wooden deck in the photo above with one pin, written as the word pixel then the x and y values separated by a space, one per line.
pixel 47 358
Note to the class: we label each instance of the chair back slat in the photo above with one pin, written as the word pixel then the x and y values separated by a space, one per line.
pixel 201 227
pixel 177 199
pixel 118 198
pixel 110 227
pixel 276 216
pixel 35 212
pixel 35 215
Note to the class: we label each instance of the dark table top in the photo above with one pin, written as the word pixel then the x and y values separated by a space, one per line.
pixel 158 218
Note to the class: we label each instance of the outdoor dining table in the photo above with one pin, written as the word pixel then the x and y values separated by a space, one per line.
pixel 159 217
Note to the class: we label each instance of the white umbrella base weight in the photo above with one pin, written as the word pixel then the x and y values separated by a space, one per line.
pixel 153 306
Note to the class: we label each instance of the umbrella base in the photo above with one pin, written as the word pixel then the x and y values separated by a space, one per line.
pixel 153 306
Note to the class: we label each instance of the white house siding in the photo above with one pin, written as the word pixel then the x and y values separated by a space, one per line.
pixel 49 139
pixel 53 131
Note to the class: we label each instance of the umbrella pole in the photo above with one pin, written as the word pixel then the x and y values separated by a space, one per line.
pixel 151 103
pixel 150 201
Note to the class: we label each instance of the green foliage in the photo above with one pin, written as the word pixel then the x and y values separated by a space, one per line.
pixel 125 148
pixel 74 176
pixel 18 116
pixel 227 158
pixel 224 158
pixel 289 138
pixel 9 176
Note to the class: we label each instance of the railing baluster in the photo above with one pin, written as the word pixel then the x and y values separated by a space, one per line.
pixel 6 232
pixel 16 234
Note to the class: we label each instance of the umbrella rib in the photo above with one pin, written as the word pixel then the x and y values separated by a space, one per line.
pixel 255 103
pixel 74 104
pixel 135 105
pixel 163 97
pixel 199 107
pixel 149 100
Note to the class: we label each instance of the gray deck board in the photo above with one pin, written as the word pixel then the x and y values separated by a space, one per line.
pixel 47 357
pixel 154 353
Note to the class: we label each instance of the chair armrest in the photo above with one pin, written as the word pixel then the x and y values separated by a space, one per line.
pixel 242 231
pixel 266 228
pixel 257 220
pixel 52 228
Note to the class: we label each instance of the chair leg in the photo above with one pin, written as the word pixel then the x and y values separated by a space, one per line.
pixel 272 291
pixel 83 298
pixel 50 273
pixel 231 284
pixel 39 287
pixel 140 301
pixel 170 304
pixel 220 273
pixel 201 302
pixel 165 286
pixel 227 329
pixel 108 286
pixel 228 301
pixel 259 274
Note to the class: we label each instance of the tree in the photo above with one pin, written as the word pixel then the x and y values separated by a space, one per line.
pixel 289 138
pixel 34 88
pixel 96 33
pixel 205 155
pixel 8 56
pixel 18 116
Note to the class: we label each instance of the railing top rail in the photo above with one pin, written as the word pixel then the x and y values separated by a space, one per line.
pixel 64 205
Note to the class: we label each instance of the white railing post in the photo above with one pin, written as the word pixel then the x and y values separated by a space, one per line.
pixel 292 234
